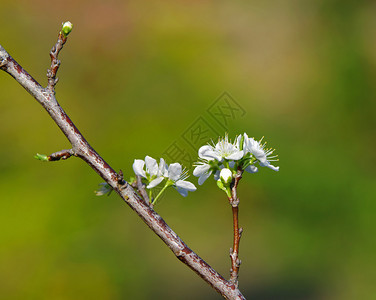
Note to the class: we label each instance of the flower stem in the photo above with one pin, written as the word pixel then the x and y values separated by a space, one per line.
pixel 226 164
pixel 168 183
pixel 234 251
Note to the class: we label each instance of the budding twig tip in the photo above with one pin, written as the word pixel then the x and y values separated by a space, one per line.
pixel 66 28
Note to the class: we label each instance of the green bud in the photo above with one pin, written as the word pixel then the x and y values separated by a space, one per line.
pixel 67 28
pixel 41 157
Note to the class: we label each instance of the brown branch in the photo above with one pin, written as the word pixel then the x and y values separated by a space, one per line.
pixel 82 149
pixel 63 154
pixel 55 63
pixel 234 251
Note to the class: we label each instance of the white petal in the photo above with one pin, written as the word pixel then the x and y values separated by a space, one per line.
pixel 251 169
pixel 138 167
pixel 267 164
pixel 274 168
pixel 235 156
pixel 260 155
pixel 155 182
pixel 174 171
pixel 163 171
pixel 216 175
pixel 182 192
pixel 201 169
pixel 237 141
pixel 189 186
pixel 203 177
pixel 151 165
pixel 207 152
pixel 249 144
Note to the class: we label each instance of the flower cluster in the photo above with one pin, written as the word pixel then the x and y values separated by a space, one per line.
pixel 243 153
pixel 173 174
pixel 223 160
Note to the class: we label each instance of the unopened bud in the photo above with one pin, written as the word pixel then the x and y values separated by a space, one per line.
pixel 226 176
pixel 67 28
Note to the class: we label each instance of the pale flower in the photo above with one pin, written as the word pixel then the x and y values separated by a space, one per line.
pixel 203 169
pixel 152 172
pixel 208 154
pixel 178 175
pixel 258 150
pixel 227 150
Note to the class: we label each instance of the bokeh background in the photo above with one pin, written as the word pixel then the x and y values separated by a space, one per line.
pixel 135 76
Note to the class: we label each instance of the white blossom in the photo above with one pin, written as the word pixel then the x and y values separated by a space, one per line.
pixel 152 172
pixel 211 157
pixel 178 175
pixel 262 154
pixel 227 150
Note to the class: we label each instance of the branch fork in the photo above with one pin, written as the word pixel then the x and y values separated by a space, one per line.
pixel 82 149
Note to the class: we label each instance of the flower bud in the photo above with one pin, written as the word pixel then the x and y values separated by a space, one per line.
pixel 67 28
pixel 226 176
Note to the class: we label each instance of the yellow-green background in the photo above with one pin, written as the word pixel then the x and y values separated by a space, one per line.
pixel 134 76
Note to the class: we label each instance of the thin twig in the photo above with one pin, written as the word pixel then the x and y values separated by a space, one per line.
pixel 82 149
pixel 63 154
pixel 234 251
pixel 141 189
pixel 55 63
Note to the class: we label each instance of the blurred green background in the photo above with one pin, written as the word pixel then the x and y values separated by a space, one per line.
pixel 135 76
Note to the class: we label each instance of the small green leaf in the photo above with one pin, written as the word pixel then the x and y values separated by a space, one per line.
pixel 220 185
pixel 41 157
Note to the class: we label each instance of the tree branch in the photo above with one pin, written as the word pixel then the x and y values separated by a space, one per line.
pixel 82 149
